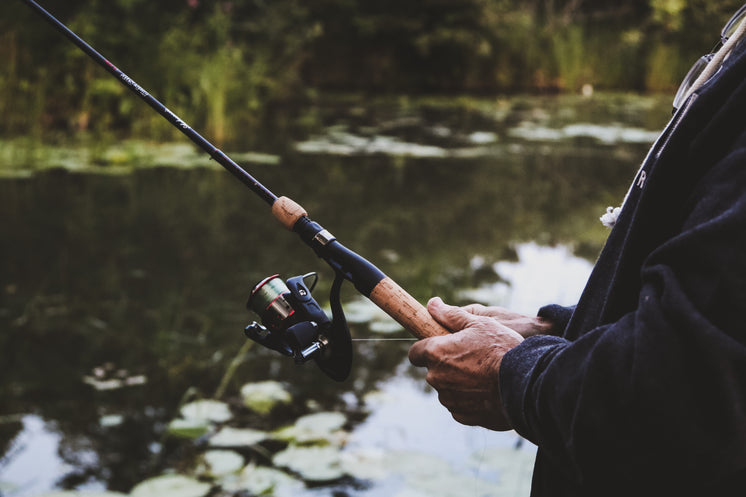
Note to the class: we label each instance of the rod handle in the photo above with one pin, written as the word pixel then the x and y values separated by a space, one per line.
pixel 386 294
pixel 287 211
pixel 405 309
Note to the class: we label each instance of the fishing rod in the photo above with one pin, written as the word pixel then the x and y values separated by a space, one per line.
pixel 292 321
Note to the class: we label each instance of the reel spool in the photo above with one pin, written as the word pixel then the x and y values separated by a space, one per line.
pixel 294 324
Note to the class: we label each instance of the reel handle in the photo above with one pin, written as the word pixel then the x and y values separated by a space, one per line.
pixel 386 293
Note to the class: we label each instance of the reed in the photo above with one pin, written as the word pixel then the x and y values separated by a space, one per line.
pixel 225 70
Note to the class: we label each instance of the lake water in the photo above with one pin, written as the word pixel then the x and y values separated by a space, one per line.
pixel 124 271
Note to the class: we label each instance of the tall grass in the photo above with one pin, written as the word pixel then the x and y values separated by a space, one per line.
pixel 223 71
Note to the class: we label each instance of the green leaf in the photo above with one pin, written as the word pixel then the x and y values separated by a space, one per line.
pixel 262 397
pixel 171 486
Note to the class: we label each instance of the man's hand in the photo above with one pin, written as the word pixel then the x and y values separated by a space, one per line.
pixel 464 366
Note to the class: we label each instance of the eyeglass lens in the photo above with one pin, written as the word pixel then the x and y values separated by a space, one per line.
pixel 730 27
pixel 733 24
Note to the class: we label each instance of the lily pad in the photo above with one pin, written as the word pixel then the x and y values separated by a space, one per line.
pixel 483 137
pixel 263 396
pixel 111 420
pixel 76 493
pixel 366 312
pixel 316 464
pixel 217 463
pixel 432 476
pixel 514 467
pixel 321 427
pixel 419 464
pixel 188 428
pixel 257 158
pixel 171 486
pixel 360 310
pixel 365 463
pixel 378 398
pixel 207 410
pixel 237 437
pixel 385 326
pixel 502 458
pixel 452 484
pixel 260 480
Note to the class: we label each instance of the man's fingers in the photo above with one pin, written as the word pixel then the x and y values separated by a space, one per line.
pixel 452 317
pixel 494 312
pixel 477 310
pixel 465 400
pixel 431 353
pixel 418 354
pixel 469 407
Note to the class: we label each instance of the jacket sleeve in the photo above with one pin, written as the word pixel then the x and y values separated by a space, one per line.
pixel 660 394
pixel 559 316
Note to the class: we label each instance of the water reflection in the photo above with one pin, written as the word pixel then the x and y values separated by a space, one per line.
pixel 35 447
pixel 541 275
pixel 432 454
pixel 139 280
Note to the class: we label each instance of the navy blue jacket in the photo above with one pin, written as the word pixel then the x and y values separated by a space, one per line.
pixel 644 392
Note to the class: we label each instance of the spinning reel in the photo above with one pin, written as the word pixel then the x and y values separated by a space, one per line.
pixel 294 324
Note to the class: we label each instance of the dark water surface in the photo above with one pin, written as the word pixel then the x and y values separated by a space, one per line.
pixel 139 274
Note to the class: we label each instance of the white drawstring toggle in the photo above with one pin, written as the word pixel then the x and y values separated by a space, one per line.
pixel 612 214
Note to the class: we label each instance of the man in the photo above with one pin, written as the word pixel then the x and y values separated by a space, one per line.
pixel 641 388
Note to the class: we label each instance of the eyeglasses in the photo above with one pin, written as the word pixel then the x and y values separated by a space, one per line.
pixel 699 67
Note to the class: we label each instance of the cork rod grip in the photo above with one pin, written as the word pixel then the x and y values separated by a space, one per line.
pixel 287 211
pixel 407 311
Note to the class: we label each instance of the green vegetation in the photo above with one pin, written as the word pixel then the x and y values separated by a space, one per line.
pixel 231 67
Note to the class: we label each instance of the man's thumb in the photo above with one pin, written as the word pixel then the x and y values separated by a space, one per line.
pixel 452 317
